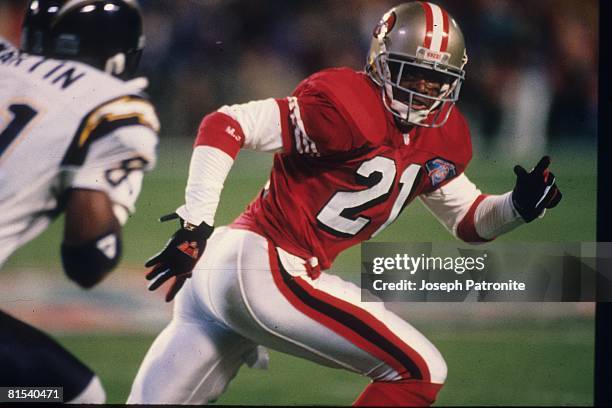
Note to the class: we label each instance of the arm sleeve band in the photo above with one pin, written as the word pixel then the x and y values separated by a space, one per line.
pixel 260 122
pixel 88 263
pixel 255 125
pixel 220 131
pixel 470 215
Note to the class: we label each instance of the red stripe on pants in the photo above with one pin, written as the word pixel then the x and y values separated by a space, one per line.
pixel 341 329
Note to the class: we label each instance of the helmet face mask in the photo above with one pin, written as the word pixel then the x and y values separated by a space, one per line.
pixel 420 79
pixel 407 104
pixel 106 34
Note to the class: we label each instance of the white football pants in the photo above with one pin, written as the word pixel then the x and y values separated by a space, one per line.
pixel 245 292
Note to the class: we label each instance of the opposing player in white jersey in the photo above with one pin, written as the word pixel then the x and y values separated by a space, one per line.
pixel 76 138
pixel 352 150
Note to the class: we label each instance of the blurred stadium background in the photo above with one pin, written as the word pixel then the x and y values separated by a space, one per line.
pixel 531 88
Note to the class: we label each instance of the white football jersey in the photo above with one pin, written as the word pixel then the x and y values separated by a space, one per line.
pixel 66 125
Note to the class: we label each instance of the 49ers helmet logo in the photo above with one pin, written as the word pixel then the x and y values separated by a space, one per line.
pixel 385 25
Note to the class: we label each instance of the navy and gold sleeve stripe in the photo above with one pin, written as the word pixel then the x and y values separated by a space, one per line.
pixel 106 118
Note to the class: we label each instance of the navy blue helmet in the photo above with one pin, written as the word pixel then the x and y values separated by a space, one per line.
pixel 106 34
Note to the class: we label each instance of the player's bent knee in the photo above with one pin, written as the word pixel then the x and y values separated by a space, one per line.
pixel 87 264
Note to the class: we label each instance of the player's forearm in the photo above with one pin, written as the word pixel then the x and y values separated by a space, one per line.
pixel 254 125
pixel 208 170
pixel 469 214
pixel 220 137
pixel 488 217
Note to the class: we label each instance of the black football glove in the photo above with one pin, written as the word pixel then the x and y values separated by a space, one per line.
pixel 179 256
pixel 535 191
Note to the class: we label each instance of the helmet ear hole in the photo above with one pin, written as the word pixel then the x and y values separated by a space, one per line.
pixel 115 65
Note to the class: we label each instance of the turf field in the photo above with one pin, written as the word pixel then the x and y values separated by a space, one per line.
pixel 518 362
pixel 515 363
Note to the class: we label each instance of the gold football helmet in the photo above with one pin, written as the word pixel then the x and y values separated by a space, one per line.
pixel 418 40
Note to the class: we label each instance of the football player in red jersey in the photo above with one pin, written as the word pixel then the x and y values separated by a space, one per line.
pixel 352 149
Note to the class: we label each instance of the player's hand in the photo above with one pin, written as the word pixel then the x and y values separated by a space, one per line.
pixel 179 256
pixel 535 191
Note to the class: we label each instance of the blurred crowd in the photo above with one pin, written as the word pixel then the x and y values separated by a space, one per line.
pixel 531 75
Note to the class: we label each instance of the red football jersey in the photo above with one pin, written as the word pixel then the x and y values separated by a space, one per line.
pixel 347 171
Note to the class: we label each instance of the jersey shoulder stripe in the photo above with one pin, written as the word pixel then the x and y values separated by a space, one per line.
pixel 127 110
pixel 302 143
pixel 355 97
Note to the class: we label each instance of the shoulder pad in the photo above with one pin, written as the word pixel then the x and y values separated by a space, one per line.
pixel 354 95
pixel 126 110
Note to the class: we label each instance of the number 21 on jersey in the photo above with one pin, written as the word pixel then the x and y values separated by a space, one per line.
pixel 340 216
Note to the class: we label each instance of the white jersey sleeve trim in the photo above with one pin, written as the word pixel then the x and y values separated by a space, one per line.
pixel 451 202
pixel 208 170
pixel 260 122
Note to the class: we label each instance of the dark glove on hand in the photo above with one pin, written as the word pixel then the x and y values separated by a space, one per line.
pixel 179 256
pixel 535 191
